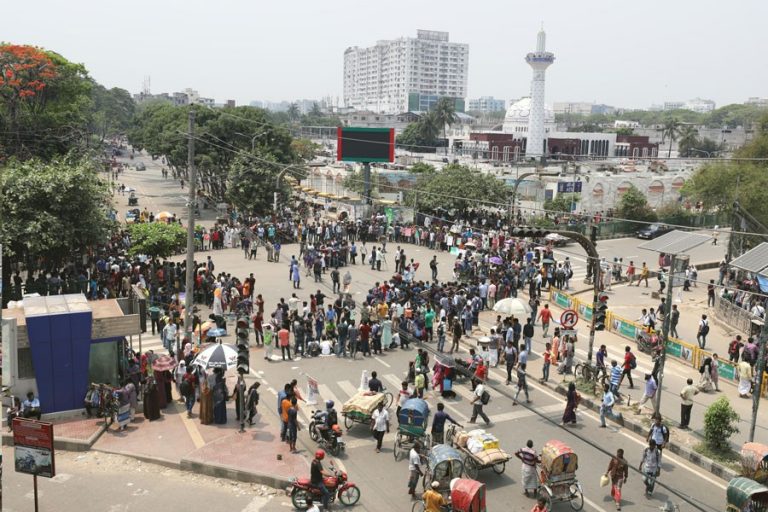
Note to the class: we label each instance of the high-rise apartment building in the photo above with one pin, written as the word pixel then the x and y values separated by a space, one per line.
pixel 380 78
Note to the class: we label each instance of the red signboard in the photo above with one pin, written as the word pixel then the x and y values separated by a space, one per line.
pixel 33 447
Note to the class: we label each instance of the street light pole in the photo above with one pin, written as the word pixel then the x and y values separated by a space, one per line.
pixel 190 270
pixel 277 187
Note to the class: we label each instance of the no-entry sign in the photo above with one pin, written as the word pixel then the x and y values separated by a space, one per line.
pixel 569 318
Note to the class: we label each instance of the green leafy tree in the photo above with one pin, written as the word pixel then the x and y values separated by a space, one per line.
pixel 561 203
pixel 670 131
pixel 445 115
pixel 157 239
pixel 45 103
pixel 688 141
pixel 315 110
pixel 720 423
pixel 251 184
pixel 420 136
pixel 113 111
pixel 457 187
pixel 52 210
pixel 293 112
pixel 429 128
pixel 422 168
pixel 633 205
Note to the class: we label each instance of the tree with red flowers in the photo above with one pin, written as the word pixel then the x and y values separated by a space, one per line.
pixel 25 72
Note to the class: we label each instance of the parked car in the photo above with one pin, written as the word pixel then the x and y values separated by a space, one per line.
pixel 653 231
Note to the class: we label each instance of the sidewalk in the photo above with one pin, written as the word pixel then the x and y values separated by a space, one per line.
pixel 183 443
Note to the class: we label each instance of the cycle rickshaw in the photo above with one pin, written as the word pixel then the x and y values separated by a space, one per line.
pixel 412 426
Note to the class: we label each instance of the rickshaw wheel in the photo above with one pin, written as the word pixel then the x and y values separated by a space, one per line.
pixel 390 398
pixel 577 498
pixel 396 450
pixel 348 422
pixel 470 468
pixel 499 468
pixel 544 493
pixel 418 506
pixel 349 496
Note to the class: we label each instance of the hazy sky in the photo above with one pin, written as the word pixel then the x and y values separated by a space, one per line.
pixel 621 53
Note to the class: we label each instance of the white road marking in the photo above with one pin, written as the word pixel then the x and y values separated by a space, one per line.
pixel 272 390
pixel 327 394
pixel 395 382
pixel 347 388
pixel 383 362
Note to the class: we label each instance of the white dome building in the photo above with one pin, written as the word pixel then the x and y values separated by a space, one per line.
pixel 516 119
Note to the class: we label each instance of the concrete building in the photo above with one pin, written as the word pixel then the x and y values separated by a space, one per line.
pixel 380 78
pixel 757 102
pixel 699 105
pixel 486 104
pixel 516 120
pixel 573 107
pixel 539 61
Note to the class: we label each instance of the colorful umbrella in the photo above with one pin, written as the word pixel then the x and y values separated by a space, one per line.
pixel 217 356
pixel 163 215
pixel 164 363
pixel 496 260
pixel 205 326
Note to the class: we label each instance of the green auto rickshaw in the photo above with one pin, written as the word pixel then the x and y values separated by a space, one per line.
pixel 746 495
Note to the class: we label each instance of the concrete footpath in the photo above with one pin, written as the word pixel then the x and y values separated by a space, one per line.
pixel 175 441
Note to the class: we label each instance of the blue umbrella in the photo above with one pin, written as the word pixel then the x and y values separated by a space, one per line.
pixel 216 332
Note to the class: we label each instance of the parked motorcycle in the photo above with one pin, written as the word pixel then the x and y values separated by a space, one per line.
pixel 330 439
pixel 338 487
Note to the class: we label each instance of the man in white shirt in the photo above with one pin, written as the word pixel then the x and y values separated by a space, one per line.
pixel 293 303
pixel 380 420
pixel 169 336
pixel 414 466
pixel 477 403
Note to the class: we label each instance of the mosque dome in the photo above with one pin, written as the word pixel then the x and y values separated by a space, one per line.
pixel 516 119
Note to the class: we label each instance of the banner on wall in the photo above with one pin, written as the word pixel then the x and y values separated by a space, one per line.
pixel 562 300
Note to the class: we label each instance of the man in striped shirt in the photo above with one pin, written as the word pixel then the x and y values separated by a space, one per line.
pixel 616 372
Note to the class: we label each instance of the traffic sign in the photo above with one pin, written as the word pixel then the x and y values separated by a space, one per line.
pixel 569 318
pixel 33 447
pixel 569 332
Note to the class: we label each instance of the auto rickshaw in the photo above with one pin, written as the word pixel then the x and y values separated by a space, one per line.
pixel 746 495
pixel 133 200
pixel 754 462
pixel 467 495
pixel 412 426
pixel 444 463
pixel 557 475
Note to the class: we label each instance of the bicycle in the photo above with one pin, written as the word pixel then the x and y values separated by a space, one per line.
pixel 590 373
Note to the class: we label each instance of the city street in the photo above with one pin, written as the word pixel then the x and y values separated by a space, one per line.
pixel 513 425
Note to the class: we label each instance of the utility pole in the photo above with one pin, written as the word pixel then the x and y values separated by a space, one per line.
pixel 367 183
pixel 763 338
pixel 189 286
pixel 665 330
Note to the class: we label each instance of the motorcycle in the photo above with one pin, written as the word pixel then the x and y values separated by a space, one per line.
pixel 330 439
pixel 338 487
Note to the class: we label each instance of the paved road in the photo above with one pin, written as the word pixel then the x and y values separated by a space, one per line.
pixel 98 482
pixel 381 478
pixel 384 482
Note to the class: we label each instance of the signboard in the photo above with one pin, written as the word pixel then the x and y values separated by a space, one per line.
pixel 365 144
pixel 33 447
pixel 562 300
pixel 568 187
pixel 570 332
pixel 569 318
pixel 625 329
pixel 585 311
pixel 679 350
pixel 726 371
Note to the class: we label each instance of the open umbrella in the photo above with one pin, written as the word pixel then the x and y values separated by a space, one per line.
pixel 216 332
pixel 512 306
pixel 163 215
pixel 205 327
pixel 217 356
pixel 496 260
pixel 164 363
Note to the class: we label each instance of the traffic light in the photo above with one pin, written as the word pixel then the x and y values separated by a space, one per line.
pixel 243 354
pixel 529 232
pixel 602 311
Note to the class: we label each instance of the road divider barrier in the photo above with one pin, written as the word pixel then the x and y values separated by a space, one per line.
pixel 677 348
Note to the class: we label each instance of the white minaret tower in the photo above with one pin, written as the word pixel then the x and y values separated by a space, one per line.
pixel 539 60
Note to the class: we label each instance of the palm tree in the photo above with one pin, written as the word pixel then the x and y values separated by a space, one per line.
pixel 293 112
pixel 670 130
pixel 429 127
pixel 445 115
pixel 688 138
